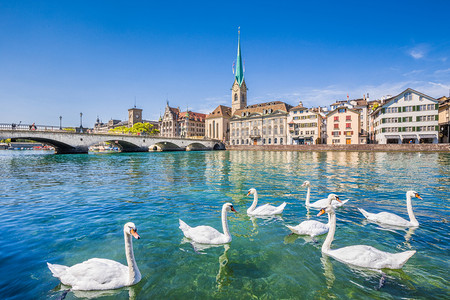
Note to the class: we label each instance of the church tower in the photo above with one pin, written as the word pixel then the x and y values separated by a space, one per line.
pixel 239 89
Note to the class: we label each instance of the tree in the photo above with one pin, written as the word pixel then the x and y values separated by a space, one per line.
pixel 138 129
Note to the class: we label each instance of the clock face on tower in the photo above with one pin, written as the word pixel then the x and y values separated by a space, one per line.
pixel 137 116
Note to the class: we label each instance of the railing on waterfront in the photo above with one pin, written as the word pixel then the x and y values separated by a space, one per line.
pixel 28 127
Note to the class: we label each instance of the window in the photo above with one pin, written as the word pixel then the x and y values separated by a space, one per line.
pixel 348 125
pixel 348 118
pixel 408 96
pixel 341 110
pixel 336 126
pixel 264 141
pixel 235 97
pixel 270 141
pixel 336 119
pixel 275 140
pixel 281 130
pixel 281 141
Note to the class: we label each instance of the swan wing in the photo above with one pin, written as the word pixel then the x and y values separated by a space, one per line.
pixel 320 203
pixel 206 235
pixel 337 203
pixel 388 218
pixel 310 227
pixel 268 209
pixel 94 274
pixel 370 257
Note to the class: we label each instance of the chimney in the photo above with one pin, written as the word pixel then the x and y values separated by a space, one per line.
pixel 367 98
pixel 300 103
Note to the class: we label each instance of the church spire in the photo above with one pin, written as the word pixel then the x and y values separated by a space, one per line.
pixel 239 67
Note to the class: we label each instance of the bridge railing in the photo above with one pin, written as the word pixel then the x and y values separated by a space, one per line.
pixel 28 127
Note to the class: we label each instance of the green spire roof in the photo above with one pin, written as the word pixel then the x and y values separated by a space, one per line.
pixel 239 66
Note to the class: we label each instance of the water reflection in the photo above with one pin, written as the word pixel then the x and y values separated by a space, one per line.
pixel 64 290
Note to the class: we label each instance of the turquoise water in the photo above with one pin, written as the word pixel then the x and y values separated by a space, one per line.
pixel 65 209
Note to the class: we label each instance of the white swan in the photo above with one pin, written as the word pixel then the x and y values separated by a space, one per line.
pixel 361 255
pixel 100 273
pixel 263 210
pixel 392 219
pixel 207 234
pixel 312 227
pixel 322 202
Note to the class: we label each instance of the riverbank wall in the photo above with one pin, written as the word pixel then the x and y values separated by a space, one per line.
pixel 362 147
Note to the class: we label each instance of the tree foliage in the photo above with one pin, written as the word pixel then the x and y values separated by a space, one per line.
pixel 137 128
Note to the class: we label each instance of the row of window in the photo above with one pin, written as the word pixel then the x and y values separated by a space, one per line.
pixel 409 129
pixel 305 117
pixel 307 132
pixel 347 125
pixel 248 141
pixel 347 118
pixel 423 107
pixel 338 133
pixel 303 125
pixel 245 131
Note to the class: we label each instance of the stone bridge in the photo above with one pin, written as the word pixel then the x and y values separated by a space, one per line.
pixel 70 142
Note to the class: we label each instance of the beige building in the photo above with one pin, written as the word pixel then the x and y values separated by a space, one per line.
pixel 260 124
pixel 181 124
pixel 444 120
pixel 343 126
pixel 217 124
pixel 305 126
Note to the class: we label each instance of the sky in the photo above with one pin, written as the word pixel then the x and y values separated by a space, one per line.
pixel 100 58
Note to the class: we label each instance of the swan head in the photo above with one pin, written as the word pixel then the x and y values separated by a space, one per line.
pixel 306 183
pixel 131 229
pixel 332 197
pixel 228 206
pixel 329 209
pixel 251 191
pixel 413 194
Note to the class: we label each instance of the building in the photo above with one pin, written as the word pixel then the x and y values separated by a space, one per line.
pixel 260 124
pixel 409 117
pixel 181 124
pixel 305 126
pixel 343 126
pixel 217 123
pixel 444 120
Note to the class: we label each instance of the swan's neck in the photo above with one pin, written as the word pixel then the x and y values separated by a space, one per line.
pixel 330 236
pixel 226 231
pixel 412 218
pixel 255 202
pixel 133 271
pixel 308 193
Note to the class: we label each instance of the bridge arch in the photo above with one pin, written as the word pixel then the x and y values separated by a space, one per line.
pixel 165 146
pixel 60 147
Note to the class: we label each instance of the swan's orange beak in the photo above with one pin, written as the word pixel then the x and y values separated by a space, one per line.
pixel 337 198
pixel 417 196
pixel 134 233
pixel 232 209
pixel 248 194
pixel 322 211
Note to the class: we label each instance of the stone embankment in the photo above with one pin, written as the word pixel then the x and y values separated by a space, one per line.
pixel 363 147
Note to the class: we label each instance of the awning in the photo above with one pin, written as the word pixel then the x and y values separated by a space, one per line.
pixel 409 136
pixel 392 136
pixel 428 136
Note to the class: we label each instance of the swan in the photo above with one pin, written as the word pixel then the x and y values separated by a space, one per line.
pixel 322 202
pixel 361 255
pixel 312 227
pixel 392 219
pixel 263 210
pixel 100 273
pixel 207 234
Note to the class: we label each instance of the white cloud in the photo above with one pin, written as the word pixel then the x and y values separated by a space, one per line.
pixel 418 51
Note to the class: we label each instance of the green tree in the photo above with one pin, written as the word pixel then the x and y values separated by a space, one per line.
pixel 137 128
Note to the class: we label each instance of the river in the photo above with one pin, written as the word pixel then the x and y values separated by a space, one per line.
pixel 65 209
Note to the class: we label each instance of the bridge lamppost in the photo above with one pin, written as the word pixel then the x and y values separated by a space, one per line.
pixel 81 120
pixel 60 122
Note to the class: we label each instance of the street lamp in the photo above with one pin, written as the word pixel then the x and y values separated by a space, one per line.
pixel 60 122
pixel 81 120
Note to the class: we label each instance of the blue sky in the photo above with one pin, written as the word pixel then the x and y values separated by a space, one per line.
pixel 97 57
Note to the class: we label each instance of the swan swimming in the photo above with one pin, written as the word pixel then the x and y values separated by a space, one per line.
pixel 100 273
pixel 393 219
pixel 207 234
pixel 361 255
pixel 313 227
pixel 263 210
pixel 322 202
